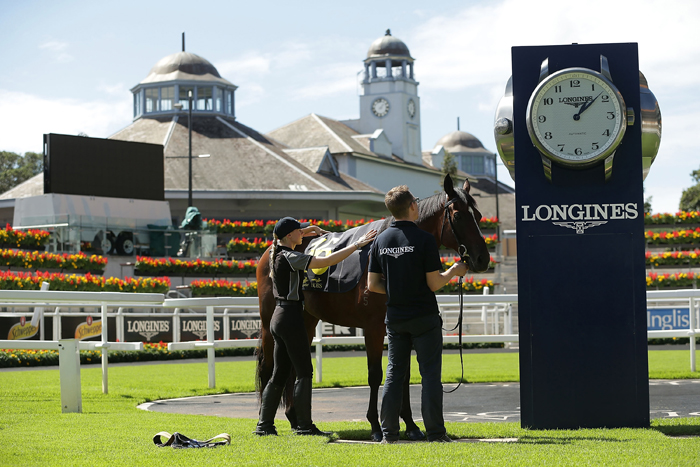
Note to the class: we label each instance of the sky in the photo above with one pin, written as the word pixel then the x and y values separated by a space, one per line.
pixel 67 66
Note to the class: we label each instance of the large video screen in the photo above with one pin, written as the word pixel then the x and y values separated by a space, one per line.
pixel 78 165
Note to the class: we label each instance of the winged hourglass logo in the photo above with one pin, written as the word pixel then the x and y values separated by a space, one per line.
pixel 580 227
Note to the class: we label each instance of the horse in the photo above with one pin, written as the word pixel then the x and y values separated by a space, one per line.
pixel 453 219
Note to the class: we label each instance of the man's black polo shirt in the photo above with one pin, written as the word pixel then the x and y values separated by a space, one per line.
pixel 404 254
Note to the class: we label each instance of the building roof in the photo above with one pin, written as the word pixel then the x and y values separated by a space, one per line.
pixel 184 66
pixel 317 131
pixel 461 141
pixel 388 46
pixel 240 158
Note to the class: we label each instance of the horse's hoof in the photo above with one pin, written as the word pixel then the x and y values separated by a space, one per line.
pixel 415 435
pixel 376 436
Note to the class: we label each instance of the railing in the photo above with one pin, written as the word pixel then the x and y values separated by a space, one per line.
pixel 495 310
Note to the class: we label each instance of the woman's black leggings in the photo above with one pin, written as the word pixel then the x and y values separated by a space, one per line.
pixel 291 344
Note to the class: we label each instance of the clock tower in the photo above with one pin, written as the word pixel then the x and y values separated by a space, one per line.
pixel 389 97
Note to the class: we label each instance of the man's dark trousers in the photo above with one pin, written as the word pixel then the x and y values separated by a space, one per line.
pixel 425 335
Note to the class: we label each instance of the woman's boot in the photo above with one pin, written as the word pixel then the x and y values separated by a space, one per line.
pixel 302 405
pixel 271 396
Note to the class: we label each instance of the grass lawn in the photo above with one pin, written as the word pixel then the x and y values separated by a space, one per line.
pixel 111 431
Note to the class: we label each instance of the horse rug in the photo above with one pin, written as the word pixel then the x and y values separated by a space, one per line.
pixel 344 276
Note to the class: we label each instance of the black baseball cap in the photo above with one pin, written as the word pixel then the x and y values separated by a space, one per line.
pixel 287 225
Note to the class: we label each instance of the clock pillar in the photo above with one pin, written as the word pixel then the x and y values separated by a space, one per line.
pixel 581 267
pixel 389 97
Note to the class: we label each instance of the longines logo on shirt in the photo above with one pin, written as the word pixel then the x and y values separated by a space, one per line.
pixel 396 251
pixel 580 217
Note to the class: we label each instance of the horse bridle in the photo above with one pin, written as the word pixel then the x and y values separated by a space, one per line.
pixel 461 249
pixel 463 255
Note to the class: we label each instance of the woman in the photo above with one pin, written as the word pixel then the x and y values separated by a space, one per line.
pixel 287 324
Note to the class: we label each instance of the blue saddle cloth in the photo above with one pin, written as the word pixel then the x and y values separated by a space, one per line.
pixel 345 275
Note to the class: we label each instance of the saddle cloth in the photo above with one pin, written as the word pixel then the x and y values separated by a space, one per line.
pixel 345 275
pixel 180 441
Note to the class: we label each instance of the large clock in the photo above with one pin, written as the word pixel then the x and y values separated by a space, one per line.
pixel 411 107
pixel 577 118
pixel 380 107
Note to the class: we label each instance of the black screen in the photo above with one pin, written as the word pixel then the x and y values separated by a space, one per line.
pixel 77 165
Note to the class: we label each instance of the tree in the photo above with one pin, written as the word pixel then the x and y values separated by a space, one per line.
pixel 647 202
pixel 690 199
pixel 449 166
pixel 15 169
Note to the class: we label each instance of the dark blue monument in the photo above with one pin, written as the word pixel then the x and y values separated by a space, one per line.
pixel 574 144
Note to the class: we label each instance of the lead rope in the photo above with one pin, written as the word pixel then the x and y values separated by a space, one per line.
pixel 459 325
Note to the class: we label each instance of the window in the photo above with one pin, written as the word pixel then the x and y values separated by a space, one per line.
pixel 183 96
pixel 167 96
pixel 229 102
pixel 219 99
pixel 478 165
pixel 137 103
pixel 151 100
pixel 465 164
pixel 204 98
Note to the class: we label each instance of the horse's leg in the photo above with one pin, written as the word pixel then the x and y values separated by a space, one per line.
pixel 412 431
pixel 374 344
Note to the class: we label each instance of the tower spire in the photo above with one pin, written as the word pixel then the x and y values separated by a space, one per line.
pixel 183 41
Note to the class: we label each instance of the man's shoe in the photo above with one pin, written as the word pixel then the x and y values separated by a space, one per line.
pixel 441 439
pixel 265 431
pixel 313 431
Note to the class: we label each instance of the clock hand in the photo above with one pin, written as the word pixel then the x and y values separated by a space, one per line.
pixel 586 106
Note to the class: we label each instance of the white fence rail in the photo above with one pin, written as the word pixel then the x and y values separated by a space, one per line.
pixel 493 311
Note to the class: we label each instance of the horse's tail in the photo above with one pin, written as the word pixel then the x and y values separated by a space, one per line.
pixel 259 383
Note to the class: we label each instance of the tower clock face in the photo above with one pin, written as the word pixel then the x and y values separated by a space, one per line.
pixel 380 107
pixel 576 117
pixel 411 108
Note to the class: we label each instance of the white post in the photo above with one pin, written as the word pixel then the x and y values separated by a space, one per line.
pixel 176 325
pixel 319 352
pixel 104 348
pixel 484 313
pixel 69 370
pixel 210 347
pixel 57 324
pixel 119 323
pixel 227 325
pixel 691 333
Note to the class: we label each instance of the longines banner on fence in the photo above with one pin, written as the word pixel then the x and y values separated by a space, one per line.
pixel 155 328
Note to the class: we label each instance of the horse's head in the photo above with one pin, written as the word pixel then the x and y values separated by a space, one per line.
pixel 460 227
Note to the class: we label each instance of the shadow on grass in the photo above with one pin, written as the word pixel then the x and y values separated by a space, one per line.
pixel 564 440
pixel 692 430
pixel 359 435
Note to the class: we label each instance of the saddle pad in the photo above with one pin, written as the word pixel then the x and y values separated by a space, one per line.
pixel 180 441
pixel 345 275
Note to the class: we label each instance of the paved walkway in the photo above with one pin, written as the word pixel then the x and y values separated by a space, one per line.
pixel 499 402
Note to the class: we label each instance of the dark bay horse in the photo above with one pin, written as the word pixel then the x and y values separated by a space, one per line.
pixel 453 219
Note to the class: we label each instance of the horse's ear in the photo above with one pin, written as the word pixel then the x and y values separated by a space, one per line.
pixel 466 187
pixel 449 187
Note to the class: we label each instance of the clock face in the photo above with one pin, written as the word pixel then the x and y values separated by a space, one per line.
pixel 411 108
pixel 576 117
pixel 380 107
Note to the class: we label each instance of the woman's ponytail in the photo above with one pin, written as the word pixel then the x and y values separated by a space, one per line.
pixel 273 252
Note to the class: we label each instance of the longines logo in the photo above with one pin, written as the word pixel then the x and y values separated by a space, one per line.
pixel 575 101
pixel 148 328
pixel 580 217
pixel 396 251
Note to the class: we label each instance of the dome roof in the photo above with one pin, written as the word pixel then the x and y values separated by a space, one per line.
pixel 461 141
pixel 388 46
pixel 184 66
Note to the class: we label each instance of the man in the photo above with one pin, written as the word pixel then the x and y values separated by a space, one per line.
pixel 405 265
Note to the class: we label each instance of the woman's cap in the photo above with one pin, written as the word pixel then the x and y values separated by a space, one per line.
pixel 287 225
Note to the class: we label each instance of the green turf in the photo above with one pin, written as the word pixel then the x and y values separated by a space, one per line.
pixel 111 431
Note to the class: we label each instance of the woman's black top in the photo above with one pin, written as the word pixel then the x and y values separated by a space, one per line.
pixel 289 273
